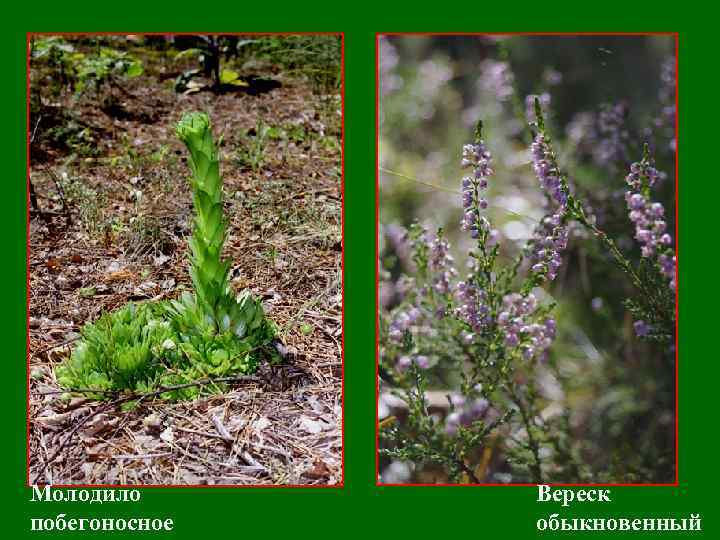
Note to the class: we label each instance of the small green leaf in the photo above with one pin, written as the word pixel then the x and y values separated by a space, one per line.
pixel 228 76
pixel 306 329
pixel 87 292
pixel 129 406
pixel 134 70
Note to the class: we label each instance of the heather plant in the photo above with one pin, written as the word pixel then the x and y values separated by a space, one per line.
pixel 207 333
pixel 492 326
pixel 476 351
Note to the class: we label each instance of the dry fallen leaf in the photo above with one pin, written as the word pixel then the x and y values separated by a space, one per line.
pixel 261 423
pixel 120 275
pixel 152 423
pixel 53 264
pixel 55 419
pixel 311 426
pixel 96 452
pixel 98 424
pixel 168 436
pixel 319 471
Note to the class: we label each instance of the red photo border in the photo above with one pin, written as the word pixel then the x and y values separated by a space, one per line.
pixel 378 35
pixel 29 35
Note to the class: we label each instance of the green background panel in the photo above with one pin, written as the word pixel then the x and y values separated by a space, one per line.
pixel 361 507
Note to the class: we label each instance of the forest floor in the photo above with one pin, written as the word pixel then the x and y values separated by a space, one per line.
pixel 113 211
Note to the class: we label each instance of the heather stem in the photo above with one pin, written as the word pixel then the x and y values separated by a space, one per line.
pixel 467 470
pixel 533 444
pixel 619 258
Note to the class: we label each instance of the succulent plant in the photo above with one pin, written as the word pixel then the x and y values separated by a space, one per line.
pixel 210 331
pixel 125 349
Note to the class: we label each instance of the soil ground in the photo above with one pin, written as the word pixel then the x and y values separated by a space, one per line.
pixel 113 211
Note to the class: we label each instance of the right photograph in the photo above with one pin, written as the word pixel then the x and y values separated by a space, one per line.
pixel 527 259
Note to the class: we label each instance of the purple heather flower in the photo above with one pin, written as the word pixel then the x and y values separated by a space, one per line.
pixel 545 170
pixel 398 326
pixel 643 236
pixel 403 363
pixel 581 131
pixel 441 263
pixel 452 422
pixel 668 262
pixel 467 198
pixel 637 202
pixel 469 221
pixel 497 79
pixel 656 210
pixel 666 120
pixel 612 135
pixel 532 338
pixel 549 239
pixel 641 328
pixel 402 322
pixel 493 237
pixel 473 411
pixel 647 216
pixel 596 303
pixel 422 361
pixel 478 157
pixel 389 80
pixel 638 172
pixel 440 257
pixel 473 309
pixel 466 412
pixel 552 77
pixel 441 283
pixel 550 327
pixel 457 400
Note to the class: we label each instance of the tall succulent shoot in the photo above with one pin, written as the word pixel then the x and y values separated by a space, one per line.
pixel 208 271
pixel 213 310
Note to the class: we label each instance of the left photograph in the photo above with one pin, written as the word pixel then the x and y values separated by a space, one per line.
pixel 185 259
